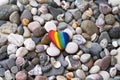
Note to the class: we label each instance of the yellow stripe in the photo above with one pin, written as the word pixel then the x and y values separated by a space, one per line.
pixel 56 38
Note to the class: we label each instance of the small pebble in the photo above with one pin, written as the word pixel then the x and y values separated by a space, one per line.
pixel 113 71
pixel 21 52
pixel 80 73
pixel 94 69
pixel 113 52
pixel 69 75
pixel 14 69
pixel 85 57
pixel 60 77
pixel 105 75
pixel 114 43
pixel 11 49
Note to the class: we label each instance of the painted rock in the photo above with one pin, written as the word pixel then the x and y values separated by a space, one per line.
pixel 60 39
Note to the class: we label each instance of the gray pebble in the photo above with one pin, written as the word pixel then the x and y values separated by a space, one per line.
pixel 68 17
pixel 104 35
pixel 102 54
pixel 95 49
pixel 24 1
pixel 14 69
pixel 3 49
pixel 3 41
pixel 84 49
pixel 33 3
pixel 76 13
pixel 10 63
pixel 62 26
pixel 46 68
pixel 44 59
pixel 6 10
pixel 2 71
pixel 117 78
pixel 20 30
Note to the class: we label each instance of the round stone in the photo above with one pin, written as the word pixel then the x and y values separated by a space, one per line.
pixel 14 69
pixel 29 44
pixel 50 26
pixel 94 69
pixel 84 67
pixel 53 51
pixel 71 48
pixel 34 11
pixel 110 19
pixel 104 43
pixel 85 57
pixel 89 27
pixel 69 75
pixel 78 30
pixel 21 75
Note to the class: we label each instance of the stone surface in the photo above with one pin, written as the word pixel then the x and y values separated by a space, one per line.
pixel 89 27
pixel 71 48
pixel 85 57
pixel 6 10
pixel 105 75
pixel 16 39
pixel 80 73
pixel 94 69
pixel 110 19
pixel 11 49
pixel 3 41
pixel 79 39
pixel 8 75
pixel 61 78
pixel 53 51
pixel 21 75
pixel 21 52
pixel 8 28
pixel 29 44
pixel 14 17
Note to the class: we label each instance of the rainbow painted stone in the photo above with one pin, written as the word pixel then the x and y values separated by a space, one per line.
pixel 60 39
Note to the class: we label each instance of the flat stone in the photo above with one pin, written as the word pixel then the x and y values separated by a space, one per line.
pixel 8 28
pixel 60 78
pixel 47 16
pixel 14 69
pixel 94 69
pixel 29 44
pixel 10 63
pixel 6 10
pixel 39 19
pixel 105 75
pixel 20 30
pixel 72 45
pixel 85 57
pixel 21 52
pixel 16 39
pixel 114 32
pixel 80 73
pixel 89 27
pixel 53 51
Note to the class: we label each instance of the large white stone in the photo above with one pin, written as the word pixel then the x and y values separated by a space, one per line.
pixel 3 2
pixel 29 44
pixel 11 49
pixel 53 51
pixel 114 2
pixel 71 48
pixel 16 39
pixel 50 26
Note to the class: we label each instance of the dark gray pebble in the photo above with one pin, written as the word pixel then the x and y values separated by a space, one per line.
pixel 3 41
pixel 6 10
pixel 62 26
pixel 102 54
pixel 55 11
pixel 26 14
pixel 20 30
pixel 3 49
pixel 3 56
pixel 115 32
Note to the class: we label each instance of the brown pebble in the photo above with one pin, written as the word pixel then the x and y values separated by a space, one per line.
pixel 21 75
pixel 86 36
pixel 98 62
pixel 89 64
pixel 45 39
pixel 105 62
pixel 69 75
pixel 39 32
pixel 40 78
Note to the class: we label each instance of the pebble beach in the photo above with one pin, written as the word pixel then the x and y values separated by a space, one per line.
pixel 59 39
